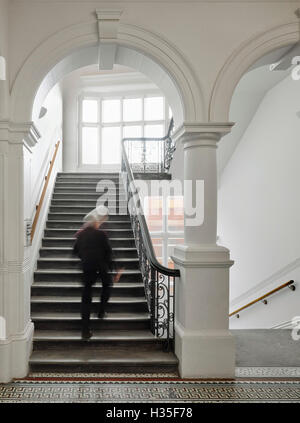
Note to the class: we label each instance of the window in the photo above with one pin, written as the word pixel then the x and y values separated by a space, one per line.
pixel 154 108
pixel 111 111
pixel 132 109
pixel 111 136
pixel 90 111
pixel 165 220
pixel 104 121
pixel 90 145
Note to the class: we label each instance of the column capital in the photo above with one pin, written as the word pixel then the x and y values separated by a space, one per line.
pixel 201 133
pixel 206 255
pixel 25 133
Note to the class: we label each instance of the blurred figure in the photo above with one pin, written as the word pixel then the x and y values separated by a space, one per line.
pixel 93 248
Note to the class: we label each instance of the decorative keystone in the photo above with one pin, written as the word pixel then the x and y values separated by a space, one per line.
pixel 108 23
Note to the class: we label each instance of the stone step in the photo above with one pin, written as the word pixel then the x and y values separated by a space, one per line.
pixel 67 252
pixel 102 360
pixel 72 321
pixel 76 275
pixel 77 224
pixel 85 202
pixel 86 174
pixel 122 210
pixel 75 263
pixel 114 336
pixel 73 304
pixel 69 242
pixel 89 179
pixel 86 189
pixel 79 216
pixel 89 185
pixel 83 196
pixel 71 289
pixel 144 340
pixel 69 233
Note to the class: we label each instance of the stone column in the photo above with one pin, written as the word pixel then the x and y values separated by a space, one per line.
pixel 203 344
pixel 16 329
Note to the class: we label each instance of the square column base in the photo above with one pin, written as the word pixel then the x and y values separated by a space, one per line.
pixel 204 355
pixel 14 355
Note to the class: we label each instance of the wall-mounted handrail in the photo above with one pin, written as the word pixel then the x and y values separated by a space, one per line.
pixel 289 284
pixel 47 178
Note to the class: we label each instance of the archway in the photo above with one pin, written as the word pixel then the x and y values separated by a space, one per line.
pixel 263 149
pixel 77 46
pixel 241 60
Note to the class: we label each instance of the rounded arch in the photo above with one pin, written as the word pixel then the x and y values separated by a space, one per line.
pixel 76 46
pixel 240 61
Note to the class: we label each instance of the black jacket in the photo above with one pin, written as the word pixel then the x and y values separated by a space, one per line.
pixel 92 245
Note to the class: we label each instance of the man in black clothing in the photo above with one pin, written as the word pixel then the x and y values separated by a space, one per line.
pixel 93 248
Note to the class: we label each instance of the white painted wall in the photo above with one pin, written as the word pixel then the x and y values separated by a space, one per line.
pixel 259 209
pixel 36 166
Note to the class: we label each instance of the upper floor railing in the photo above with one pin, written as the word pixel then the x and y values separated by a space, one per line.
pixel 152 155
pixel 159 281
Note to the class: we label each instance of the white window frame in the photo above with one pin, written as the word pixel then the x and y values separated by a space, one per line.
pixel 99 96
pixel 165 234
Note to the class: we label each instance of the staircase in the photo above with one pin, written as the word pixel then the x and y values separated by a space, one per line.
pixel 122 340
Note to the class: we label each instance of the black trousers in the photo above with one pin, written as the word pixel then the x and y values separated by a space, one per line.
pixel 91 271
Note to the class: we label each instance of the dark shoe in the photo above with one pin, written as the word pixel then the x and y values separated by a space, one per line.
pixel 86 334
pixel 101 313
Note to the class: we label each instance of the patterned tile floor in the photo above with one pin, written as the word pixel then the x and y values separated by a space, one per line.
pixel 150 391
pixel 252 384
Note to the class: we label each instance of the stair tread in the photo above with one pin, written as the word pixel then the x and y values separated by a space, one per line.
pixel 54 284
pixel 79 213
pixel 65 316
pixel 123 222
pixel 93 355
pixel 71 299
pixel 74 230
pixel 78 271
pixel 75 335
pixel 72 207
pixel 71 249
pixel 75 259
pixel 86 200
pixel 68 239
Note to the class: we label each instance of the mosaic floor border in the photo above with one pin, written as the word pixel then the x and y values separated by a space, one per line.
pixel 28 391
pixel 240 372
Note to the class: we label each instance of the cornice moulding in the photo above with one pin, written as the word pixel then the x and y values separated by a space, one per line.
pixel 19 133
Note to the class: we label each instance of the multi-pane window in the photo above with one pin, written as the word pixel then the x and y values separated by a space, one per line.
pixel 103 122
pixel 165 221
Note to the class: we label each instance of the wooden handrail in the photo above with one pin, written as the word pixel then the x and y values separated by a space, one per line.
pixel 47 178
pixel 289 284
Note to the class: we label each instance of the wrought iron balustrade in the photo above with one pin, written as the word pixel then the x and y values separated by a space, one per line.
pixel 159 281
pixel 152 155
